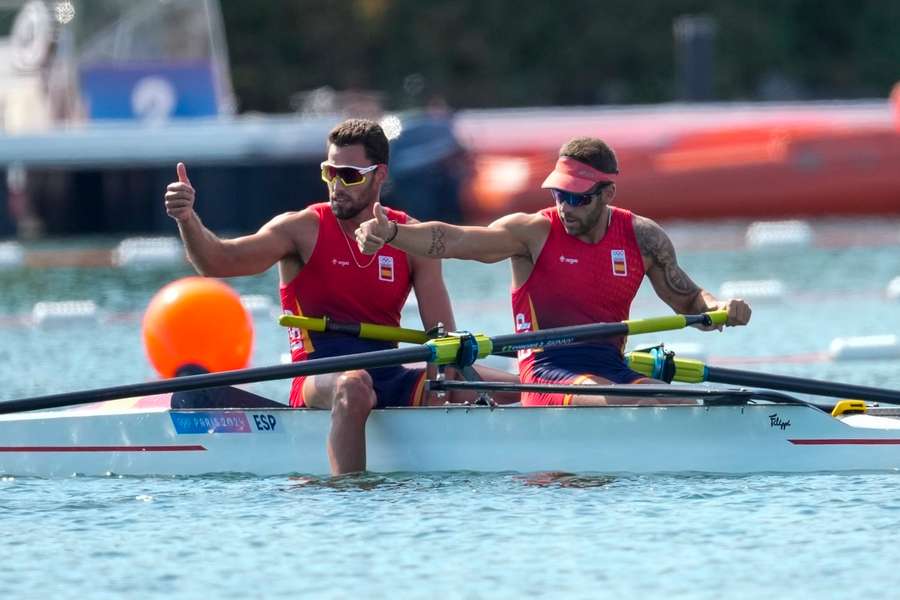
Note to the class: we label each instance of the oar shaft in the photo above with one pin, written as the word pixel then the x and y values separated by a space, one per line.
pixel 802 385
pixel 363 360
pixel 566 335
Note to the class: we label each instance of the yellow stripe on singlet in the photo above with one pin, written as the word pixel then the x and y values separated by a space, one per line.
pixel 304 333
pixel 567 398
pixel 418 392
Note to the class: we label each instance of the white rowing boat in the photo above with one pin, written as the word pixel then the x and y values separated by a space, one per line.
pixel 731 433
pixel 184 426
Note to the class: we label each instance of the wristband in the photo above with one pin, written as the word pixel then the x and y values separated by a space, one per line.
pixel 391 239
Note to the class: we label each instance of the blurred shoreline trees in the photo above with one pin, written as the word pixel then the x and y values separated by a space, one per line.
pixel 478 53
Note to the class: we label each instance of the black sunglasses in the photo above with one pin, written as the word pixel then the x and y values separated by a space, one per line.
pixel 573 199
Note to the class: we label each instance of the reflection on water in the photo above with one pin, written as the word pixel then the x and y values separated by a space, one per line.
pixel 565 480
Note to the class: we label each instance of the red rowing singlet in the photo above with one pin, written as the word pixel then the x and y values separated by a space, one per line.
pixel 343 284
pixel 576 283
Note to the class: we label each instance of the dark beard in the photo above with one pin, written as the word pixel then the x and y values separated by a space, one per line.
pixel 347 211
pixel 587 224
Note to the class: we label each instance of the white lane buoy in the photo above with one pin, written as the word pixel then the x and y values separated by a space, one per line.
pixel 868 347
pixel 258 305
pixel 65 312
pixel 893 289
pixel 12 255
pixel 778 233
pixel 753 289
pixel 148 251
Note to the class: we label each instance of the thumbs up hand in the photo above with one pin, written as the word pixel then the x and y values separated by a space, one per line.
pixel 180 196
pixel 373 234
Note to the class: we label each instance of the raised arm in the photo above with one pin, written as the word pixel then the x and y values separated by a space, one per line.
pixel 213 256
pixel 504 238
pixel 672 284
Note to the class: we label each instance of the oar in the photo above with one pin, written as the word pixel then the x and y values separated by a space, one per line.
pixel 369 331
pixel 507 344
pixel 332 364
pixel 462 350
pixel 693 371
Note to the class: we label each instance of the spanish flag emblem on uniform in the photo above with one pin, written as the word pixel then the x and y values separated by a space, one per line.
pixel 386 268
pixel 619 266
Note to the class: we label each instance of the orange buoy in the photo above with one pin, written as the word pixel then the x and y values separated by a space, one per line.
pixel 197 322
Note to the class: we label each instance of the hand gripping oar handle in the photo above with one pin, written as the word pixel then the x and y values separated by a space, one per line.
pixel 693 371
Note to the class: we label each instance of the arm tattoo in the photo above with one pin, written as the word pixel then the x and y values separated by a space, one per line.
pixel 437 242
pixel 654 243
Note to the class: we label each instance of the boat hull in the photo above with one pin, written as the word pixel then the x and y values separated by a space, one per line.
pixel 714 439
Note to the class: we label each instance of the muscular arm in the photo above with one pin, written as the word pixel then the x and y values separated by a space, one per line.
pixel 247 255
pixel 513 235
pixel 670 282
pixel 431 293
pixel 441 240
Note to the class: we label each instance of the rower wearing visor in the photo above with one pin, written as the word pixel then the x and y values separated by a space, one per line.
pixel 579 261
pixel 322 273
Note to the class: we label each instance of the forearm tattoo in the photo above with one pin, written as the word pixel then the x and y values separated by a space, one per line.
pixel 654 243
pixel 437 242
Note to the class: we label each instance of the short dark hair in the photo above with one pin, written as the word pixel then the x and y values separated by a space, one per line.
pixel 365 132
pixel 591 151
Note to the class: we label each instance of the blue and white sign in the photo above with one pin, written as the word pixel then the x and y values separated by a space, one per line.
pixel 149 91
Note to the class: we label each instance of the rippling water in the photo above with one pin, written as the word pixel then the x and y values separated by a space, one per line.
pixel 462 535
pixel 453 535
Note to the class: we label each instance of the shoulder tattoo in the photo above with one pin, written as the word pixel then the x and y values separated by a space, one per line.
pixel 654 243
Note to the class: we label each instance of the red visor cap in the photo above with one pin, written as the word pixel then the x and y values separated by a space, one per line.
pixel 574 176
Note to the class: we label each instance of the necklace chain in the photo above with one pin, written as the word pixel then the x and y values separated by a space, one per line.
pixel 353 254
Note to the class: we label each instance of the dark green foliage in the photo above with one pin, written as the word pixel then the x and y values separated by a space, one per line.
pixel 482 53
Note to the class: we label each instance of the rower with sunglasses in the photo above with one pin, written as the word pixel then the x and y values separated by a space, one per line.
pixel 579 261
pixel 323 273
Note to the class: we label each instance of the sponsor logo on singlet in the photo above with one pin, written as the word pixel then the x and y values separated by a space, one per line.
pixel 619 266
pixel 340 263
pixel 568 260
pixel 386 268
pixel 523 325
pixel 295 335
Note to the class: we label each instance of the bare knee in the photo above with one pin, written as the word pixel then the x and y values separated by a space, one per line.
pixel 354 377
pixel 354 397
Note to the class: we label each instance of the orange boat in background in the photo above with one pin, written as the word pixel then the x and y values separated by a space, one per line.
pixel 698 161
